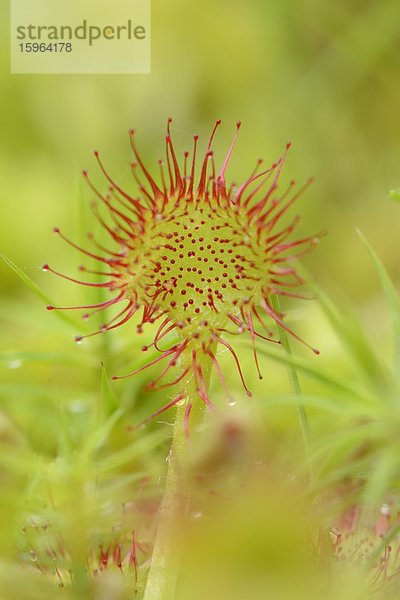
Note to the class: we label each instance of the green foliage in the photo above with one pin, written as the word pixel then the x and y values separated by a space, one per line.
pixel 78 472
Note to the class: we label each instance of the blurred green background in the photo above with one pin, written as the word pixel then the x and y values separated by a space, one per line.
pixel 323 75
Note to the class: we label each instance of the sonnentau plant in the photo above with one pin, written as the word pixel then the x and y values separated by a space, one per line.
pixel 205 261
pixel 199 258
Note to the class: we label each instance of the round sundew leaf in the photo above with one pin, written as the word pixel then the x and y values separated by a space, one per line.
pixel 197 258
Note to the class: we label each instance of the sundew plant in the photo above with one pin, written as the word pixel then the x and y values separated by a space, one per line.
pixel 195 258
pixel 157 475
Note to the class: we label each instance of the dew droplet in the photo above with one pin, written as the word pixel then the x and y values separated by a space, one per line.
pixel 231 402
pixel 77 407
pixel 15 364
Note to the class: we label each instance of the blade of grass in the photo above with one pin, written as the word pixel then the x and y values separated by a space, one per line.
pixel 335 405
pixel 109 401
pixel 390 293
pixel 45 357
pixel 139 447
pixel 383 471
pixel 100 434
pixel 294 379
pixel 352 337
pixel 39 292
pixel 316 372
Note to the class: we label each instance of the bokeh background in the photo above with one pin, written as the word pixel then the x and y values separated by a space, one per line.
pixel 324 75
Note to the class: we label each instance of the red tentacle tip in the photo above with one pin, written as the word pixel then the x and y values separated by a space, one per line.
pixel 45 267
pixel 50 307
pixel 218 121
pixel 96 153
pixel 288 145
pixel 170 120
pixel 78 338
pixel 238 125
pixel 145 348
pixel 84 173
pixel 131 132
pixel 56 230
pixel 114 378
pixel 317 352
pixel 249 394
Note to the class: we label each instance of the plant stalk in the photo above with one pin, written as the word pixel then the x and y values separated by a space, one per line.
pixel 164 569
